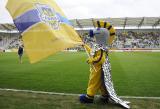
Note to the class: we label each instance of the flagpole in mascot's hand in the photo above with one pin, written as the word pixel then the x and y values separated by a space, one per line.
pixel 85 47
pixel 104 36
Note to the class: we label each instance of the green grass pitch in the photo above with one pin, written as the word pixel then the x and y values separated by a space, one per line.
pixel 134 74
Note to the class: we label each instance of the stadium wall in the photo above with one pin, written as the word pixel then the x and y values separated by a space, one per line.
pixel 134 50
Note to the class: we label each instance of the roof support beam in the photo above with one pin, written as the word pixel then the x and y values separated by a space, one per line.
pixel 93 22
pixel 78 23
pixel 12 26
pixel 156 23
pixel 125 23
pixel 141 22
pixel 4 26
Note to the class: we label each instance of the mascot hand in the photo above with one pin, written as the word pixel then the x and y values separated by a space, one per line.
pixel 90 60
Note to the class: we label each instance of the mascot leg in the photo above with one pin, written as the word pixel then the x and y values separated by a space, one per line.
pixel 104 93
pixel 93 85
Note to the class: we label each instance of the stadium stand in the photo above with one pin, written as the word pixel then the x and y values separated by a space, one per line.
pixel 141 32
pixel 8 40
pixel 8 37
pixel 140 39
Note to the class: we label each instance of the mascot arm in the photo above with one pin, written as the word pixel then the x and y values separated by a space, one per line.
pixel 98 58
pixel 88 49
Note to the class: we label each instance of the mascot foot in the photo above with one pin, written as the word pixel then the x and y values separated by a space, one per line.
pixel 86 99
pixel 104 98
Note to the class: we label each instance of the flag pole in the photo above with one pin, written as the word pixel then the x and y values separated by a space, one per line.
pixel 87 53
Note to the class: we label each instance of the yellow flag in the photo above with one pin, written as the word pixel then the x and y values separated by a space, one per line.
pixel 44 28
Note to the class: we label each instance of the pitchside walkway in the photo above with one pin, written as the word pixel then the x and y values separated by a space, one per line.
pixel 25 99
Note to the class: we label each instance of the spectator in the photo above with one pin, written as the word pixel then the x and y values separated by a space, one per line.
pixel 20 53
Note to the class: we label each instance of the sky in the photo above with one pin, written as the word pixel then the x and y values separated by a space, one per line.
pixel 80 9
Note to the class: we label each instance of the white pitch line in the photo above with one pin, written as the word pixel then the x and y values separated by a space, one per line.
pixel 38 92
pixel 137 97
pixel 70 94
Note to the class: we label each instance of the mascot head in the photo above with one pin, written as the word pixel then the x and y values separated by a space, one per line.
pixel 100 34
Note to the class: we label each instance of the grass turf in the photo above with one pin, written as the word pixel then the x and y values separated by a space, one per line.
pixel 22 100
pixel 134 74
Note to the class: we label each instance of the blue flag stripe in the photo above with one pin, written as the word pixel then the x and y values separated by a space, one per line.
pixel 63 19
pixel 32 17
pixel 26 20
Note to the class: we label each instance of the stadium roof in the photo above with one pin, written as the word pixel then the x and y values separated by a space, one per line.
pixel 7 27
pixel 138 22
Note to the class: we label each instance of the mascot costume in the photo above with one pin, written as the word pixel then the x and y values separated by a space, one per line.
pixel 100 70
